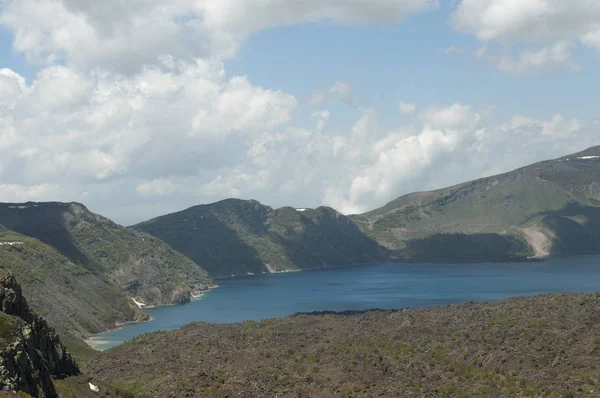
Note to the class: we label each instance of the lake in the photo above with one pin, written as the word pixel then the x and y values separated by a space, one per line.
pixel 385 286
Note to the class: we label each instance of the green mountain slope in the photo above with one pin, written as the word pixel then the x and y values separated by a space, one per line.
pixel 69 296
pixel 551 207
pixel 235 237
pixel 144 267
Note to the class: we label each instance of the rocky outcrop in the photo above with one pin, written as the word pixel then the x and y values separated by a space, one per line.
pixel 31 353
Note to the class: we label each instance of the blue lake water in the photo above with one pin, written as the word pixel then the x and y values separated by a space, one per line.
pixel 385 286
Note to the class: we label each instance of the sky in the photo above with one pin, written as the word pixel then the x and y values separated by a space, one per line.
pixel 146 107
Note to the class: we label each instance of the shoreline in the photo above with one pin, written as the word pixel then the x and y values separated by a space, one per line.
pixel 94 342
pixel 393 261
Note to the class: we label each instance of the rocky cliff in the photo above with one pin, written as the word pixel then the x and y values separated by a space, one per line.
pixel 31 353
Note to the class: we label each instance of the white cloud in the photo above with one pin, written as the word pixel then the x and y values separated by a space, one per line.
pixel 407 108
pixel 100 125
pixel 400 159
pixel 528 61
pixel 234 183
pixel 364 167
pixel 548 29
pixel 452 49
pixel 90 34
pixel 12 86
pixel 24 193
pixel 339 91
pixel 166 128
pixel 322 117
pixel 158 187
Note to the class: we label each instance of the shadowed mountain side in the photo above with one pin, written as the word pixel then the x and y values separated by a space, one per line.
pixel 542 206
pixel 322 238
pixel 46 223
pixel 237 237
pixel 145 267
pixel 471 248
pixel 211 241
pixel 574 229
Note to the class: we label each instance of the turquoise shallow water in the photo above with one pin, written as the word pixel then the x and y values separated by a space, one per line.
pixel 385 286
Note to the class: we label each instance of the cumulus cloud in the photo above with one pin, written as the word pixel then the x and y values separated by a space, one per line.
pixel 12 85
pixel 548 29
pixel 339 91
pixel 536 21
pixel 558 54
pixel 407 108
pixel 452 49
pixel 322 117
pixel 98 126
pixel 365 167
pixel 132 97
pixel 24 193
pixel 91 34
pixel 158 187
pixel 399 159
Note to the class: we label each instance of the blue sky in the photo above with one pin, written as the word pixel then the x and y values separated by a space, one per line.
pixel 406 62
pixel 292 102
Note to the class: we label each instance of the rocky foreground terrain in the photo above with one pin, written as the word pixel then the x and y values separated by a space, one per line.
pixel 544 346
pixel 31 354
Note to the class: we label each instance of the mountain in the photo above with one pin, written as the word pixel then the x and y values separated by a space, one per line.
pixel 551 207
pixel 70 297
pixel 31 353
pixel 144 267
pixel 238 237
pixel 543 346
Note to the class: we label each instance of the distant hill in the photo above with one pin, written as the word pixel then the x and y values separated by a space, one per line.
pixel 145 268
pixel 551 207
pixel 237 237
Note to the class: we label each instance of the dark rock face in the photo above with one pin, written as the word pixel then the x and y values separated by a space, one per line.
pixel 34 353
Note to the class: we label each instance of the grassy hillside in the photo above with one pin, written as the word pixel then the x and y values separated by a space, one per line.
pixel 67 295
pixel 144 267
pixel 547 208
pixel 236 237
pixel 544 346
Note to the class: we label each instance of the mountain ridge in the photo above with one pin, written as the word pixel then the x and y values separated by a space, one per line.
pixel 87 274
pixel 525 209
pixel 513 216
pixel 147 268
pixel 236 237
